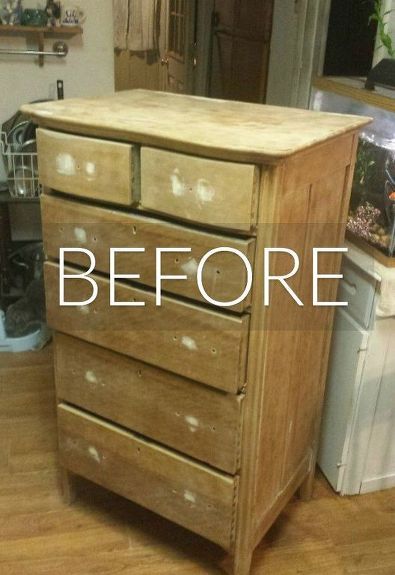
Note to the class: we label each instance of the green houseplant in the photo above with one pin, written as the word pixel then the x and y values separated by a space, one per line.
pixel 379 16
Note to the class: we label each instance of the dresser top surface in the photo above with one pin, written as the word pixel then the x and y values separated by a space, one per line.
pixel 215 128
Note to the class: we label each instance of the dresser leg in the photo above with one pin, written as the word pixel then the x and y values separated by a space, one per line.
pixel 306 489
pixel 238 564
pixel 67 484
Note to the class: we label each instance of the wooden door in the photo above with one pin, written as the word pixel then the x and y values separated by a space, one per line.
pixel 240 49
pixel 178 59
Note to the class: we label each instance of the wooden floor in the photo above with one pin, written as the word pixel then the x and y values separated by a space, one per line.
pixel 103 534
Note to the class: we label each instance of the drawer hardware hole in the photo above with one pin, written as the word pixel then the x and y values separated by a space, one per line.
pixel 175 337
pixel 214 429
pixel 94 238
pixel 213 350
pixel 177 261
pixel 139 373
pixel 178 414
pixel 134 230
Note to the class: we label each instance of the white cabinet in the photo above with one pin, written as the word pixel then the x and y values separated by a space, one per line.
pixel 357 451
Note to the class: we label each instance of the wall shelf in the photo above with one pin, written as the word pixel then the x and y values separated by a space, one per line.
pixel 41 33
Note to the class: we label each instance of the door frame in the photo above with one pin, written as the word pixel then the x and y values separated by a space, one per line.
pixel 298 46
pixel 190 52
pixel 204 40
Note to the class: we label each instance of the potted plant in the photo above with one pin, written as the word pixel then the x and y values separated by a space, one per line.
pixel 384 72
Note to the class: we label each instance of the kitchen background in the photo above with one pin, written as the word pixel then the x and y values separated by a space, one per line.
pixel 87 70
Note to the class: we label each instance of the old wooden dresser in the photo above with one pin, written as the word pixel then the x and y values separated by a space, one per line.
pixel 207 415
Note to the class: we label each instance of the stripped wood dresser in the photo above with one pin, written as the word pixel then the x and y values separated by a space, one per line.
pixel 207 415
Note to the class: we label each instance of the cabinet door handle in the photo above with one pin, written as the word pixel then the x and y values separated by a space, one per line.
pixel 351 287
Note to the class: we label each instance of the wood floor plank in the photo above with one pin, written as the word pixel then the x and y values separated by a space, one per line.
pixel 103 534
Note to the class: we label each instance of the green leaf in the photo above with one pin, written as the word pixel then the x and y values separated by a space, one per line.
pixel 386 40
pixel 378 16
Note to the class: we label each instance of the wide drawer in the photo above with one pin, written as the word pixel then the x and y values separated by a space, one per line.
pixel 211 192
pixel 77 225
pixel 358 289
pixel 190 340
pixel 86 167
pixel 191 418
pixel 181 490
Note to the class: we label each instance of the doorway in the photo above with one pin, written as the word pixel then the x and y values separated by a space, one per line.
pixel 168 64
pixel 215 48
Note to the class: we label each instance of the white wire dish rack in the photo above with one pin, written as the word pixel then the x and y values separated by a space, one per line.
pixel 20 162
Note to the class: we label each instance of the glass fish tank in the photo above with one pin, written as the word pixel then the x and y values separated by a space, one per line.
pixel 371 215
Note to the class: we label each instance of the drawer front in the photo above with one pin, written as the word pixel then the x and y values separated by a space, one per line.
pixel 359 290
pixel 212 192
pixel 191 418
pixel 185 492
pixel 76 225
pixel 86 167
pixel 192 341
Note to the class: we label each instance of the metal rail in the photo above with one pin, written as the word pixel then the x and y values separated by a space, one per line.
pixel 60 49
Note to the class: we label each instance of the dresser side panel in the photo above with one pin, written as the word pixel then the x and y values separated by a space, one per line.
pixel 285 387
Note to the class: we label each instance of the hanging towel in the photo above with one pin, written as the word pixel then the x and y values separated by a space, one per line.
pixel 386 304
pixel 143 31
pixel 121 23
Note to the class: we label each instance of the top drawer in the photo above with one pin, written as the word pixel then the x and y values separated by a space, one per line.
pixel 213 192
pixel 86 167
